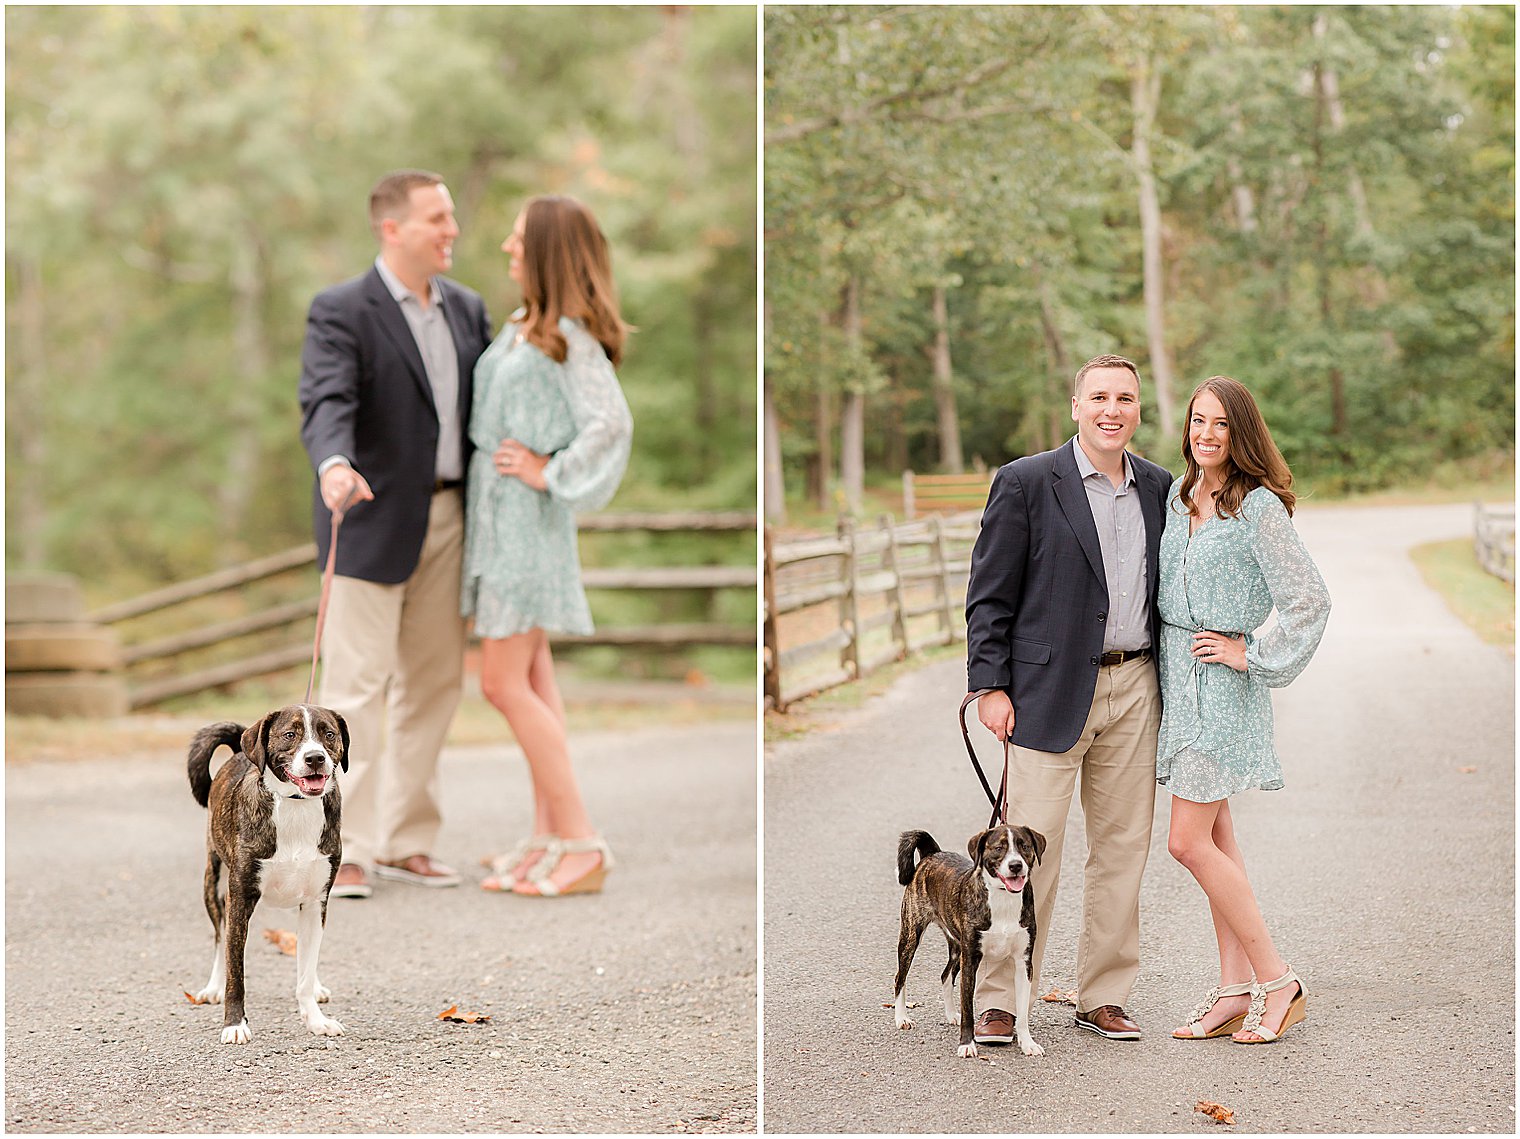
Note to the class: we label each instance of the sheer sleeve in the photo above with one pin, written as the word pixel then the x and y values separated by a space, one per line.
pixel 1298 593
pixel 585 474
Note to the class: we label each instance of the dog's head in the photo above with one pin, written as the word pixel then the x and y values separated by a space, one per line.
pixel 1005 856
pixel 299 745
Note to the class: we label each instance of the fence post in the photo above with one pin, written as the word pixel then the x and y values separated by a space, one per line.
pixel 908 495
pixel 849 602
pixel 942 580
pixel 899 609
pixel 772 644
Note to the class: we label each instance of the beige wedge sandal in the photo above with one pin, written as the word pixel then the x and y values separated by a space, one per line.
pixel 538 885
pixel 1295 1011
pixel 1194 1030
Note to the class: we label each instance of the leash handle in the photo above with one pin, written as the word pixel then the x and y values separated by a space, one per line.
pixel 327 577
pixel 999 800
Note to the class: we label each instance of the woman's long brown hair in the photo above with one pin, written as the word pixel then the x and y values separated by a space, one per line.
pixel 1254 459
pixel 567 271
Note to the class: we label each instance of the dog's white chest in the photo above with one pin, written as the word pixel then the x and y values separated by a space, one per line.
pixel 1005 937
pixel 298 871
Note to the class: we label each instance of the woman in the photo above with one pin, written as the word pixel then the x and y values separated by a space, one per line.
pixel 552 433
pixel 1229 554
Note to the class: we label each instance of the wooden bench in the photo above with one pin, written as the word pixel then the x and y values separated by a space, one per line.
pixel 942 493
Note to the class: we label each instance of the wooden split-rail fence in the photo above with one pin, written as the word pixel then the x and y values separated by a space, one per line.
pixel 838 608
pixel 163 666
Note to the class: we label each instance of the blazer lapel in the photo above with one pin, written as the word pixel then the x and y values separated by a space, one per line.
pixel 394 325
pixel 1153 508
pixel 1072 496
pixel 464 346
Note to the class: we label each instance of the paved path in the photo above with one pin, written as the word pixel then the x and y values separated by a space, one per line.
pixel 1385 873
pixel 632 1011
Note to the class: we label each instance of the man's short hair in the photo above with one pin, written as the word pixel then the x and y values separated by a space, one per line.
pixel 1107 360
pixel 392 195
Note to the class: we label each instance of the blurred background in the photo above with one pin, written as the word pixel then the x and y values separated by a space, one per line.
pixel 964 204
pixel 180 181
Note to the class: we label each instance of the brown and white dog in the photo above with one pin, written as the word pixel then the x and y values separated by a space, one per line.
pixel 985 907
pixel 274 823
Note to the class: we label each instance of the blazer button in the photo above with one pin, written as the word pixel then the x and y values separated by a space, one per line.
pixel 1094 660
pixel 1103 616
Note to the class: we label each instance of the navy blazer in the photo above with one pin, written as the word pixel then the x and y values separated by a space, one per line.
pixel 365 395
pixel 1037 600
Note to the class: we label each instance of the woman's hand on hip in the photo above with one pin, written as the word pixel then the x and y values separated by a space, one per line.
pixel 1220 648
pixel 514 460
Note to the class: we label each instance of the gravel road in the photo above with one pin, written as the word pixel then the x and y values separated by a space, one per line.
pixel 631 1011
pixel 1385 871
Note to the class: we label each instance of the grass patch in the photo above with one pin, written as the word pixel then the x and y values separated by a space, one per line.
pixel 1482 600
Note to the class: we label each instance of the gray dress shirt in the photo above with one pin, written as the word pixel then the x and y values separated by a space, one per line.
pixel 1121 536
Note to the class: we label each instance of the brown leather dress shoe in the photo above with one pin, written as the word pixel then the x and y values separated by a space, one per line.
pixel 419 870
pixel 994 1027
pixel 352 881
pixel 1109 1021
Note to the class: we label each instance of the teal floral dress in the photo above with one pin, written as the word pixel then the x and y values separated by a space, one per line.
pixel 1216 723
pixel 521 566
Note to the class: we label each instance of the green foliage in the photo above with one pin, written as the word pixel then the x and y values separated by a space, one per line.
pixel 181 181
pixel 1378 254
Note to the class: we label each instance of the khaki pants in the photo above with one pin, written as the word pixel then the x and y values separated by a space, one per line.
pixel 1116 756
pixel 396 652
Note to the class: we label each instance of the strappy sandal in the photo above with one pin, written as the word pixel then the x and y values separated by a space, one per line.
pixel 504 866
pixel 538 885
pixel 1295 1012
pixel 1195 1018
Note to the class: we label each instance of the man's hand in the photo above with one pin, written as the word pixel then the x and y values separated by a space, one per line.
pixel 340 481
pixel 995 711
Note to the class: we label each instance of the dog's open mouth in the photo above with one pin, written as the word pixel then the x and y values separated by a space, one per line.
pixel 1015 884
pixel 309 784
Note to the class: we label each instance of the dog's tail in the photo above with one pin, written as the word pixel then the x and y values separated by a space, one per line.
pixel 202 747
pixel 913 842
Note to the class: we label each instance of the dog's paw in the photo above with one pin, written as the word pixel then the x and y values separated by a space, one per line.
pixel 1031 1048
pixel 236 1033
pixel 967 1051
pixel 324 994
pixel 324 1025
pixel 903 1022
pixel 210 996
pixel 953 1018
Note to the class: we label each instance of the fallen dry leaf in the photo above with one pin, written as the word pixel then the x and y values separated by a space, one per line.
pixel 1467 770
pixel 893 1004
pixel 284 939
pixel 454 1016
pixel 1215 1111
pixel 194 999
pixel 1065 996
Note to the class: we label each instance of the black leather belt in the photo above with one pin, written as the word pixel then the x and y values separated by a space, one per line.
pixel 1118 656
pixel 447 484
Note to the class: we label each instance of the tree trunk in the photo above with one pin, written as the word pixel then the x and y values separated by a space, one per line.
pixel 852 420
pixel 1060 366
pixel 1240 189
pixel 1322 261
pixel 1145 98
pixel 251 369
pixel 773 482
pixel 823 429
pixel 27 411
pixel 951 460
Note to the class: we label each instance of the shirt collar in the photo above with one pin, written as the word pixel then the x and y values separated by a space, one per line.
pixel 399 291
pixel 1086 469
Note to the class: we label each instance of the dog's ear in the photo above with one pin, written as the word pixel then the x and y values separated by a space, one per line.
pixel 1037 840
pixel 977 846
pixel 343 735
pixel 256 742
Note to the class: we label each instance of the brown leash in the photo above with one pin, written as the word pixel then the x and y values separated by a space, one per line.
pixel 327 576
pixel 999 800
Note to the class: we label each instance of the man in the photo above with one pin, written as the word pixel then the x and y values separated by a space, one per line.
pixel 1061 627
pixel 385 399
